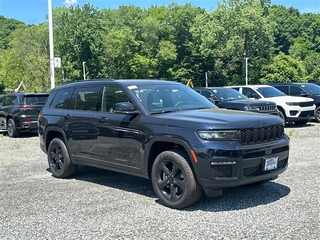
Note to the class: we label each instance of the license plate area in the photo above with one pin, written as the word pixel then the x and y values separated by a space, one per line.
pixel 270 163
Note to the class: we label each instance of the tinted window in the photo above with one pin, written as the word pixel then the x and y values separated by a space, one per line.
pixel 62 98
pixel 296 91
pixel 283 89
pixel 10 100
pixel 34 100
pixel 112 95
pixel 87 98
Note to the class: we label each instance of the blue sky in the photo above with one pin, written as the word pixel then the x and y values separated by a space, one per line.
pixel 35 11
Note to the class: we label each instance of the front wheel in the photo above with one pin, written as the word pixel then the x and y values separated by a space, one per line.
pixel 59 160
pixel 11 129
pixel 173 180
pixel 281 115
pixel 317 114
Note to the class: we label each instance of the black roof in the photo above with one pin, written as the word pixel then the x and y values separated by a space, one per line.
pixel 125 82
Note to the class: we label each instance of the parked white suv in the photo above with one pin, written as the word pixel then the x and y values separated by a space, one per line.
pixel 299 110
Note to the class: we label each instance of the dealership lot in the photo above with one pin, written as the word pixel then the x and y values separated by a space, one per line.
pixel 99 204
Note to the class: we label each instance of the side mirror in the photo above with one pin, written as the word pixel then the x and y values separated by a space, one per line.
pixel 125 108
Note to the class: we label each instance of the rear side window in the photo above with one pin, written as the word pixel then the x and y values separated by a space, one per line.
pixel 11 100
pixel 62 99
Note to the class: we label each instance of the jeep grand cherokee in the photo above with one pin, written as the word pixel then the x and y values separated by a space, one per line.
pixel 160 130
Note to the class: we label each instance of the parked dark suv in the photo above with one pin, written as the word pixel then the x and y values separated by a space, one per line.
pixel 232 99
pixel 160 130
pixel 310 90
pixel 19 112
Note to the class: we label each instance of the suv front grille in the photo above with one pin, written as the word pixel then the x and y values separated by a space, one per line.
pixel 260 135
pixel 267 108
pixel 306 104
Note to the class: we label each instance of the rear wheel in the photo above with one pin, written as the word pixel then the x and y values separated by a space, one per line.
pixel 11 129
pixel 173 180
pixel 59 160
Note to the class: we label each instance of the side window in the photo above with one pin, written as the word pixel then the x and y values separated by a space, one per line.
pixel 296 91
pixel 249 93
pixel 10 101
pixel 87 98
pixel 112 95
pixel 206 93
pixel 62 99
pixel 283 89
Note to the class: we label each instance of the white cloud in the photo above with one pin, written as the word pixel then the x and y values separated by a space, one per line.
pixel 69 3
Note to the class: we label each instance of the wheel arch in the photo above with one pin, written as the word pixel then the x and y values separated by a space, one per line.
pixel 52 133
pixel 161 144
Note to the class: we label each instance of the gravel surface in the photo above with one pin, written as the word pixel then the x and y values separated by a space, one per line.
pixel 99 204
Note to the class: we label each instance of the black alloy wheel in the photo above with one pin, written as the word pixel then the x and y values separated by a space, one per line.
pixel 173 180
pixel 11 129
pixel 59 160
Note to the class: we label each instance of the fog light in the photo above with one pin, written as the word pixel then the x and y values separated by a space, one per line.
pixel 224 163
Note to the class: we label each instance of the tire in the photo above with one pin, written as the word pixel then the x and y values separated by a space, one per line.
pixel 301 123
pixel 281 115
pixel 59 160
pixel 173 180
pixel 11 129
pixel 317 114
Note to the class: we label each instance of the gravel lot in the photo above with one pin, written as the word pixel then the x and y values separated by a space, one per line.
pixel 99 204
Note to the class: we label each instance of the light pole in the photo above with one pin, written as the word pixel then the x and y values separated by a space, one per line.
pixel 84 70
pixel 246 70
pixel 51 43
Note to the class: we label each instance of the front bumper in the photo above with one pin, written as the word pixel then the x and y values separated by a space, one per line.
pixel 228 164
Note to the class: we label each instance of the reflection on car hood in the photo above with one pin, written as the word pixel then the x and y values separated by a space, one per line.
pixel 251 102
pixel 216 118
pixel 290 99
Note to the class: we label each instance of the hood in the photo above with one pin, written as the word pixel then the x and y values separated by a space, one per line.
pixel 215 119
pixel 251 102
pixel 290 99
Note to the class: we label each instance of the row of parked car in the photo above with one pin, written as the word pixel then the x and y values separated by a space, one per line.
pixel 294 102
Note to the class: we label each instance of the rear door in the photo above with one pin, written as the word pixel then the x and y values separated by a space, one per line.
pixel 80 120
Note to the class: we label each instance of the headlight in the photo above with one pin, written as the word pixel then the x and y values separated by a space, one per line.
pixel 292 103
pixel 218 135
pixel 251 108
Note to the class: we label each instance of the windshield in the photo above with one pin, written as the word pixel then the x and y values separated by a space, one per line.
pixel 228 94
pixel 268 92
pixel 312 89
pixel 170 97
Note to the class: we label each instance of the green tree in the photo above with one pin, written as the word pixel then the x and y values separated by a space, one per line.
pixel 238 28
pixel 26 59
pixel 78 39
pixel 283 68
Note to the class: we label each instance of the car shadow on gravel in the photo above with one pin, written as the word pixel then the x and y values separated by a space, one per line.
pixel 236 198
pixel 242 197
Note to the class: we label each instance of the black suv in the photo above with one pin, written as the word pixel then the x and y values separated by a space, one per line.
pixel 232 99
pixel 310 90
pixel 19 112
pixel 160 130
